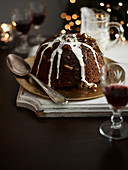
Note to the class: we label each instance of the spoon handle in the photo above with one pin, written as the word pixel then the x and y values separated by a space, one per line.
pixel 54 95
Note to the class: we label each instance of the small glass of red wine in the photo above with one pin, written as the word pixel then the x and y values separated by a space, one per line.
pixel 38 11
pixel 22 19
pixel 114 80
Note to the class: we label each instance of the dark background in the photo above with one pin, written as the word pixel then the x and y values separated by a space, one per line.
pixel 53 22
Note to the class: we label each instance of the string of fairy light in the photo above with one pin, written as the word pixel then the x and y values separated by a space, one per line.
pixel 73 20
pixel 109 10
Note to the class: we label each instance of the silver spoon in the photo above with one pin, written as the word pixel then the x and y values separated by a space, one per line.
pixel 21 68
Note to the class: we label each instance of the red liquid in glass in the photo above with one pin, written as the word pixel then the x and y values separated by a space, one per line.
pixel 23 27
pixel 117 95
pixel 38 18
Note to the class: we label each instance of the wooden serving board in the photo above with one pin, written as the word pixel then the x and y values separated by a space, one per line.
pixel 45 108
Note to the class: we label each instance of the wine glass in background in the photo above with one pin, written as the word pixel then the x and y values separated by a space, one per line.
pixel 114 79
pixel 38 11
pixel 22 19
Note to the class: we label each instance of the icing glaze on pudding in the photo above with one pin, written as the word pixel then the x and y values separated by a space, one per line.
pixel 68 60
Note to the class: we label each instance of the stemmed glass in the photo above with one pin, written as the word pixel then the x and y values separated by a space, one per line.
pixel 114 80
pixel 21 19
pixel 38 16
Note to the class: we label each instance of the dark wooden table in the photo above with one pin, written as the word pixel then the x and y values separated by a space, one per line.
pixel 61 143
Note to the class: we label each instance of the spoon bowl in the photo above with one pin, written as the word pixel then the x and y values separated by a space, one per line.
pixel 21 68
pixel 17 65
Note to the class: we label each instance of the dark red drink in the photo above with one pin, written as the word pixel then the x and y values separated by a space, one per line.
pixel 38 18
pixel 23 27
pixel 117 95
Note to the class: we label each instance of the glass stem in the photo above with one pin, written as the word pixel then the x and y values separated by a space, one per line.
pixel 24 42
pixel 116 119
pixel 37 33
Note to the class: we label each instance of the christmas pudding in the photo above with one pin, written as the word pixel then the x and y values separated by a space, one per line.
pixel 68 60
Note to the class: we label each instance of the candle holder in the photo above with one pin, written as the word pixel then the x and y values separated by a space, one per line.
pixel 6 36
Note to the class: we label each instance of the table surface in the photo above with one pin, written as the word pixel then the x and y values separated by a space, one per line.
pixel 61 143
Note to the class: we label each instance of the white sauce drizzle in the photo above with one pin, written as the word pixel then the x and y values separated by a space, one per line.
pixel 59 50
pixel 75 45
